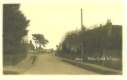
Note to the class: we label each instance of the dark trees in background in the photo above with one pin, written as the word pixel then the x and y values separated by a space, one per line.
pixel 14 29
pixel 102 41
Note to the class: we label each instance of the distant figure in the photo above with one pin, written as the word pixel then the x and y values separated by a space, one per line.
pixel 34 57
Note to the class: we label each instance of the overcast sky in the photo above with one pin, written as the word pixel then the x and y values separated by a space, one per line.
pixel 55 18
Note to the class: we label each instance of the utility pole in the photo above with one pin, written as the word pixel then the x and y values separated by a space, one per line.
pixel 81 19
pixel 82 46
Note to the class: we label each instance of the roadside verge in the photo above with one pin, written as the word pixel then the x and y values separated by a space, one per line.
pixel 94 67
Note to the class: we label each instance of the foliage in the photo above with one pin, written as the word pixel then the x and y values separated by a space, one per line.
pixel 14 29
pixel 40 39
pixel 93 42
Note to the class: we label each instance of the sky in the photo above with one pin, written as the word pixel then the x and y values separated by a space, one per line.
pixel 55 18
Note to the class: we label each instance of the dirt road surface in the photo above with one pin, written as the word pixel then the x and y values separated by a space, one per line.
pixel 50 64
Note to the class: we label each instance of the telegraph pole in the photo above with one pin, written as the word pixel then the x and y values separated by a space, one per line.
pixel 81 19
pixel 82 46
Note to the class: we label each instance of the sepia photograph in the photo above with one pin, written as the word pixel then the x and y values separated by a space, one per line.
pixel 82 38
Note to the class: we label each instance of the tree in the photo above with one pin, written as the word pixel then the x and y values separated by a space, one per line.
pixel 31 46
pixel 40 40
pixel 14 29
pixel 99 39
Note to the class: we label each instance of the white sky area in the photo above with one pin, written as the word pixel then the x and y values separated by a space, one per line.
pixel 55 18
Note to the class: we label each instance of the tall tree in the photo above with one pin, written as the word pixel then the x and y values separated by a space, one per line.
pixel 40 39
pixel 14 29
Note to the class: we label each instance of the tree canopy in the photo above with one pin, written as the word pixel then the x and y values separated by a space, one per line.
pixel 40 39
pixel 108 37
pixel 14 28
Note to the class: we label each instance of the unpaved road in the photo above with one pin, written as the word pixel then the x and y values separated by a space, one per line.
pixel 50 64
